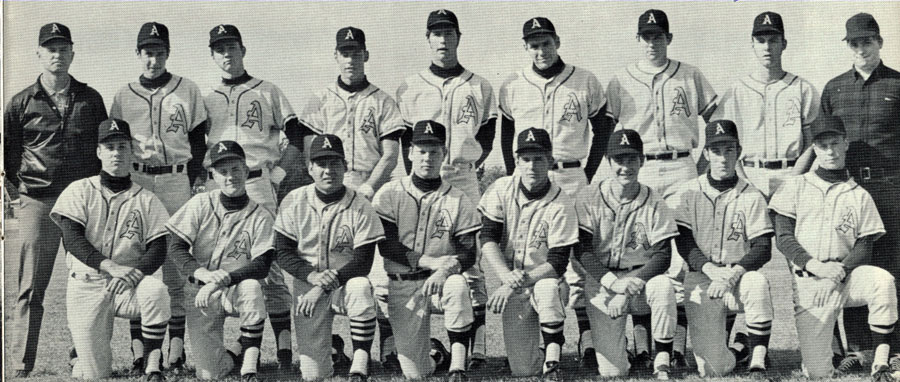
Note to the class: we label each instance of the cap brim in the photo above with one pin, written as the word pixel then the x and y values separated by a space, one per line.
pixel 851 36
pixel 226 156
pixel 46 40
pixel 539 32
pixel 766 30
pixel 651 29
pixel 441 23
pixel 720 140
pixel 115 136
pixel 818 134
pixel 427 141
pixel 326 156
pixel 532 149
pixel 220 39
pixel 350 45
pixel 620 151
pixel 152 41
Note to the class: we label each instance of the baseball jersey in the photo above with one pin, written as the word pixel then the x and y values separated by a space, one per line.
pixel 462 103
pixel 830 217
pixel 223 239
pixel 427 222
pixel 160 119
pixel 623 232
pixel 561 105
pixel 119 225
pixel 723 222
pixel 531 227
pixel 250 114
pixel 662 107
pixel 360 119
pixel 770 117
pixel 327 234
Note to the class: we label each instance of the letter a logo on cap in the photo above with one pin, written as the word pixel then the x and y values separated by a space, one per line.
pixel 530 136
pixel 535 23
pixel 442 11
pixel 154 31
pixel 428 129
pixel 113 126
pixel 651 19
pixel 222 147
pixel 221 29
pixel 349 35
pixel 719 130
pixel 326 143
pixel 624 141
pixel 767 20
pixel 55 29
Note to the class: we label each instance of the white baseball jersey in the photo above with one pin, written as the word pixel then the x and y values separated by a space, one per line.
pixel 327 234
pixel 623 232
pixel 427 222
pixel 561 105
pixel 119 225
pixel 251 114
pixel 830 217
pixel 160 119
pixel 223 239
pixel 662 107
pixel 360 119
pixel 462 103
pixel 531 227
pixel 770 117
pixel 723 223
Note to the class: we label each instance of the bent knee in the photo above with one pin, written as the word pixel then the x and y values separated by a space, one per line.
pixel 249 286
pixel 154 288
pixel 456 285
pixel 659 284
pixel 359 286
pixel 546 287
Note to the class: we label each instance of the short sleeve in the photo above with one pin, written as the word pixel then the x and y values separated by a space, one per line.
pixel 491 204
pixel 596 98
pixel 185 223
pixel 281 108
pixel 368 226
pixel 490 104
pixel 706 95
pixel 468 220
pixel 403 104
pixel 264 239
pixel 72 203
pixel 311 115
pixel 198 109
pixel 613 98
pixel 784 201
pixel 503 101
pixel 584 209
pixel 391 119
pixel 810 102
pixel 758 222
pixel 682 207
pixel 563 229
pixel 384 203
pixel 115 111
pixel 725 106
pixel 662 223
pixel 155 224
pixel 286 220
pixel 870 222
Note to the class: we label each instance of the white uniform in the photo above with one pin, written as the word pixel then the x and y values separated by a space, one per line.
pixel 830 218
pixel 119 225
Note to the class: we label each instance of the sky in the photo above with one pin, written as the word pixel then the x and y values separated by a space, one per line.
pixel 291 43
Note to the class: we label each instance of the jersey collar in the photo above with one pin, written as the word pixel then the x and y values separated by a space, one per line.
pixel 712 193
pixel 438 81
pixel 552 194
pixel 539 81
pixel 221 211
pixel 418 194
pixel 614 204
pixel 319 205
pixel 109 194
pixel 825 185
pixel 647 78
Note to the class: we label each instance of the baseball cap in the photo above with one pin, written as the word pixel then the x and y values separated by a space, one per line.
pixel 721 130
pixel 350 37
pixel 653 21
pixel 223 32
pixel 429 132
pixel 625 141
pixel 532 139
pixel 153 33
pixel 862 25
pixel 54 31
pixel 538 26
pixel 225 150
pixel 326 146
pixel 113 128
pixel 441 17
pixel 768 23
pixel 826 123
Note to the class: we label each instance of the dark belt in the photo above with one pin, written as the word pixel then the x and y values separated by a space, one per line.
pixel 412 276
pixel 157 170
pixel 556 166
pixel 626 269
pixel 251 175
pixel 802 273
pixel 194 281
pixel 873 173
pixel 770 164
pixel 668 156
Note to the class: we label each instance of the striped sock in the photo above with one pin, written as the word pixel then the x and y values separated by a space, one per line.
pixel 758 334
pixel 176 338
pixel 584 330
pixel 137 342
pixel 153 338
pixel 281 326
pixel 251 340
pixel 553 333
pixel 362 334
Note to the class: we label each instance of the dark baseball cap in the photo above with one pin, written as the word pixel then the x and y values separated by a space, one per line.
pixel 861 25
pixel 225 150
pixel 533 139
pixel 326 146
pixel 429 132
pixel 113 128
pixel 625 141
pixel 538 26
pixel 224 32
pixel 653 21
pixel 350 37
pixel 54 31
pixel 721 130
pixel 441 17
pixel 153 33
pixel 768 23
pixel 826 123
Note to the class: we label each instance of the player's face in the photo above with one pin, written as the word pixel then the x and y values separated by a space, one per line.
pixel 543 50
pixel 768 49
pixel 831 151
pixel 626 168
pixel 443 43
pixel 722 158
pixel 352 63
pixel 866 52
pixel 533 168
pixel 231 176
pixel 153 60
pixel 115 156
pixel 56 56
pixel 328 174
pixel 654 45
pixel 229 56
pixel 426 160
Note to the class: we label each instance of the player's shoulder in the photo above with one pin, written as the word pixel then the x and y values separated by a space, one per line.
pixel 684 68
pixel 185 83
pixel 393 186
pixel 297 195
pixel 512 78
pixel 80 186
pixel 582 73
pixel 590 193
pixel 503 185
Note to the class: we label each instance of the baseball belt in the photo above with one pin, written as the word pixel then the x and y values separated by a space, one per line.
pixel 411 276
pixel 672 155
pixel 157 170
pixel 626 269
pixel 769 164
pixel 557 166
pixel 194 281
pixel 251 175
pixel 874 174
pixel 87 276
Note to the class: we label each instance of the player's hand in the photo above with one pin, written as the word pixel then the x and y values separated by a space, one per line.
pixel 717 273
pixel 206 294
pixel 717 289
pixel 306 304
pixel 435 283
pixel 500 298
pixel 515 278
pixel 117 286
pixel 630 285
pixel 326 279
pixel 616 306
pixel 131 275
pixel 823 291
pixel 221 277
pixel 367 191
pixel 831 270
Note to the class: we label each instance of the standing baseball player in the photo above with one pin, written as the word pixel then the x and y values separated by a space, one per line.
pixel 561 99
pixel 464 103
pixel 221 240
pixel 114 234
pixel 529 228
pixel 430 229
pixel 50 132
pixel 252 112
pixel 725 238
pixel 625 229
pixel 168 119
pixel 325 236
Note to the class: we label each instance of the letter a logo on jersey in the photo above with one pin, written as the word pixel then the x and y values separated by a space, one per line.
pixel 738 230
pixel 848 221
pixel 571 109
pixel 240 247
pixel 177 120
pixel 368 121
pixel 680 103
pixel 638 237
pixel 539 237
pixel 253 116
pixel 793 114
pixel 343 241
pixel 468 112
pixel 442 225
pixel 133 226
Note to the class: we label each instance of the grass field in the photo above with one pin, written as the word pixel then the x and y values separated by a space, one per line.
pixel 55 339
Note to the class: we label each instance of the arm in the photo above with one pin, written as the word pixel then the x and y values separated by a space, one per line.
pixel 464 245
pixel 405 144
pixel 382 171
pixel 558 258
pixel 257 269
pixel 787 243
pixel 485 138
pixel 391 248
pixel 689 250
pixel 13 145
pixel 507 136
pixel 602 126
pixel 76 243
pixel 660 258
pixel 179 252
pixel 287 257
pixel 491 235
pixel 154 257
pixel 359 266
pixel 197 139
pixel 588 258
pixel 804 162
pixel 861 254
pixel 759 254
pixel 296 131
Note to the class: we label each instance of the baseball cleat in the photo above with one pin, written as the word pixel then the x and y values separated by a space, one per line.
pixel 285 361
pixel 137 367
pixel 340 360
pixel 552 372
pixel 249 377
pixel 358 377
pixel 678 361
pixel 477 362
pixel 642 362
pixel 22 373
pixel 440 355
pixel 154 377
pixel 882 373
pixel 661 372
pixel 235 361
pixel 851 364
pixel 741 350
pixel 391 363
pixel 589 359
pixel 177 366
pixel 457 376
pixel 894 363
pixel 73 357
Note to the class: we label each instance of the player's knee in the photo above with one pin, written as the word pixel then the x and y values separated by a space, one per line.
pixel 153 288
pixel 659 287
pixel 250 297
pixel 755 285
pixel 360 287
pixel 456 285
pixel 546 288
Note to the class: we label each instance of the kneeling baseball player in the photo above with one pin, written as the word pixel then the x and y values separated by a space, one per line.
pixel 826 224
pixel 221 241
pixel 325 237
pixel 725 238
pixel 113 231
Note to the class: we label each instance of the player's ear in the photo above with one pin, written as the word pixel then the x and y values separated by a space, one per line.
pixel 137 52
pixel 783 43
pixel 98 151
pixel 365 56
pixel 668 38
pixel 243 50
pixel 739 149
pixel 706 153
pixel 556 41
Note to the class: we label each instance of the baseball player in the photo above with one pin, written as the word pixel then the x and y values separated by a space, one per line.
pixel 625 228
pixel 529 228
pixel 168 119
pixel 326 235
pixel 252 112
pixel 725 238
pixel 826 225
pixel 430 229
pixel 221 240
pixel 562 99
pixel 40 164
pixel 469 113
pixel 114 234
pixel 771 109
